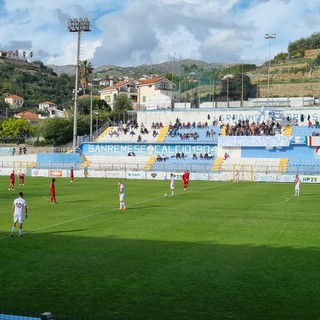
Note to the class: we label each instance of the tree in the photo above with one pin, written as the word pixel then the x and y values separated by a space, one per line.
pixel 122 103
pixel 281 57
pixel 235 87
pixel 56 131
pixel 85 70
pixel 15 128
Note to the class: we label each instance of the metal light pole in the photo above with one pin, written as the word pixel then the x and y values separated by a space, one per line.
pixel 228 77
pixel 241 104
pixel 269 36
pixel 91 138
pixel 77 25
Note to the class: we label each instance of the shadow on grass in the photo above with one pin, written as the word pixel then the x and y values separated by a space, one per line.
pixel 114 278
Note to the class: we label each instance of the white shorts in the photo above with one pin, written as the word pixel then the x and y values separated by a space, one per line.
pixel 18 217
pixel 121 197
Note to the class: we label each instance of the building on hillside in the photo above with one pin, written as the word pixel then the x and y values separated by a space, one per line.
pixel 43 106
pixel 27 115
pixel 52 110
pixel 155 93
pixel 110 93
pixel 14 101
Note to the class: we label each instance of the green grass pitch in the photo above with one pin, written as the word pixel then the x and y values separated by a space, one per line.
pixel 216 251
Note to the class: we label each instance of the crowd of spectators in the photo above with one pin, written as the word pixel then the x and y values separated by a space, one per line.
pixel 156 125
pixel 182 156
pixel 203 156
pixel 132 128
pixel 21 150
pixel 244 128
pixel 192 134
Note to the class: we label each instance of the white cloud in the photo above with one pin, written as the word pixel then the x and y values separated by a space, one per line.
pixel 132 32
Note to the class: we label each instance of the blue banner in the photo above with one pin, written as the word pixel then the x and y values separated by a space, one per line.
pixel 254 141
pixel 142 149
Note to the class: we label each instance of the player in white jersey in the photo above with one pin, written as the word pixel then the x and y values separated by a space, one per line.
pixel 297 182
pixel 121 196
pixel 237 176
pixel 19 208
pixel 172 184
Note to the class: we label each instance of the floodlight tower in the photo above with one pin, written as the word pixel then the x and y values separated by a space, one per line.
pixel 77 25
pixel 269 36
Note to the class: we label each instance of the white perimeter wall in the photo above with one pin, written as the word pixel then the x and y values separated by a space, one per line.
pixel 228 115
pixel 151 175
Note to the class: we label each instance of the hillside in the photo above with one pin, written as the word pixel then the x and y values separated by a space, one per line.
pixel 138 71
pixel 35 82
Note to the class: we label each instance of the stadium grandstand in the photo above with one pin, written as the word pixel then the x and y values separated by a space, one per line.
pixel 263 144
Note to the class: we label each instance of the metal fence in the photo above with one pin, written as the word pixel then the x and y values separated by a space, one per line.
pixel 25 165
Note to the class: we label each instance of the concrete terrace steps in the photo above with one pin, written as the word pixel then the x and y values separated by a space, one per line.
pixel 150 163
pixel 248 164
pixel 287 131
pixel 103 134
pixel 217 163
pixel 283 164
pixel 162 134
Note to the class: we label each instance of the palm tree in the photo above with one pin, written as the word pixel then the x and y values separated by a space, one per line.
pixel 85 70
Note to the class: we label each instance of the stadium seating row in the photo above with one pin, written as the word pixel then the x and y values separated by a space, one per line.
pixel 209 134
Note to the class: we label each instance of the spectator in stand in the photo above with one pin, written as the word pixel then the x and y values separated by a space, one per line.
pixel 139 138
pixel 194 157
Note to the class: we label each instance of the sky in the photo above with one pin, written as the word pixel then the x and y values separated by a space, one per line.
pixel 135 32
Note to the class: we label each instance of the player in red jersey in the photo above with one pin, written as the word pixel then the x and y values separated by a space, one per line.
pixel 21 179
pixel 185 179
pixel 71 174
pixel 11 178
pixel 53 191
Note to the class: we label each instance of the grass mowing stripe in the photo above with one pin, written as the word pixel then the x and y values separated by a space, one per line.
pixel 218 250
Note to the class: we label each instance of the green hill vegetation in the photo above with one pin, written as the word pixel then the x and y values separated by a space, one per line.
pixel 36 82
pixel 294 73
